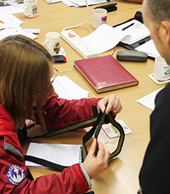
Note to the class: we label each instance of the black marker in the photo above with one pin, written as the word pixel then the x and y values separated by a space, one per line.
pixel 128 26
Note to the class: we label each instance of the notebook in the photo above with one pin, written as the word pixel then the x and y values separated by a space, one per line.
pixel 62 154
pixel 105 73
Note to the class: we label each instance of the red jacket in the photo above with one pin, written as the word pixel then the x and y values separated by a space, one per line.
pixel 13 172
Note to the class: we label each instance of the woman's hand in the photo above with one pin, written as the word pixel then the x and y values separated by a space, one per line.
pixel 113 104
pixel 95 165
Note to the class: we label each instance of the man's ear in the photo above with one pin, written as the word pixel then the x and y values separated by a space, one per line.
pixel 166 30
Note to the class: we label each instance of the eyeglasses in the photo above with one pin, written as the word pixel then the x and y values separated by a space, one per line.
pixel 56 72
pixel 53 79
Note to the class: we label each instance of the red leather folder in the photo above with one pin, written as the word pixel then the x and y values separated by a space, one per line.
pixel 105 73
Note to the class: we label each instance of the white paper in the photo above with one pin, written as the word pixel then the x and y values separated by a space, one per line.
pixel 149 48
pixel 15 31
pixel 104 38
pixel 63 154
pixel 12 9
pixel 67 89
pixel 9 21
pixel 34 31
pixel 149 100
pixel 78 3
pixel 52 1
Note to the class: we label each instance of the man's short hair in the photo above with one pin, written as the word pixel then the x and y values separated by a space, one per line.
pixel 158 10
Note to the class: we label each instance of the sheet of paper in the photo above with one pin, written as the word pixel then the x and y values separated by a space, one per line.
pixel 8 21
pixel 104 38
pixel 112 132
pixel 69 3
pixel 149 100
pixel 52 1
pixel 90 2
pixel 14 31
pixel 63 154
pixel 12 9
pixel 149 48
pixel 67 89
pixel 78 3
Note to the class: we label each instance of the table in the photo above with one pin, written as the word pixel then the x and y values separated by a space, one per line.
pixel 122 175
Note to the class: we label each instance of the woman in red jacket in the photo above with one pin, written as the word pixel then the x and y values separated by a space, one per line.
pixel 27 93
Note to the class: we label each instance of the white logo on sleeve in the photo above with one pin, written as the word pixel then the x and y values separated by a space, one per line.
pixel 15 174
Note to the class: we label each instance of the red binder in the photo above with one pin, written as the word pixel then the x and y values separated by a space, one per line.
pixel 105 73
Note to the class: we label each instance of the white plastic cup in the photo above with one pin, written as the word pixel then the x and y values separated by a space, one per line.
pixel 99 17
pixel 52 42
pixel 30 8
pixel 161 69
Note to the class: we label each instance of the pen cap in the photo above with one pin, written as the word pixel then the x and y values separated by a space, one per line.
pixel 138 16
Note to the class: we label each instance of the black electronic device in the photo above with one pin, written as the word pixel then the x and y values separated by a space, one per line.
pixel 132 56
pixel 59 59
pixel 109 7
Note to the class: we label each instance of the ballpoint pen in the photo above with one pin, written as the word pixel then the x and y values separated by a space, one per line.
pixel 128 26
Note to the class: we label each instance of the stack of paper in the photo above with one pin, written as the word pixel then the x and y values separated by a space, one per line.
pixel 67 89
pixel 7 20
pixel 11 26
pixel 78 3
pixel 14 31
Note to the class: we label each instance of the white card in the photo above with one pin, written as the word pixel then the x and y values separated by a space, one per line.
pixel 34 31
pixel 112 131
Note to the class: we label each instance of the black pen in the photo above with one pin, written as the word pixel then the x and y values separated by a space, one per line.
pixel 128 26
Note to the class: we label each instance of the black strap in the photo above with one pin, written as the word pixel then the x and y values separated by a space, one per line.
pixel 97 127
pixel 22 134
pixel 44 162
pixel 95 130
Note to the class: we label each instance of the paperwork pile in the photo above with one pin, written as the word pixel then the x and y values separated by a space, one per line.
pixel 9 24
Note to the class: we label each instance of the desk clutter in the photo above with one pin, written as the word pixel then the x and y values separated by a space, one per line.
pixel 131 34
